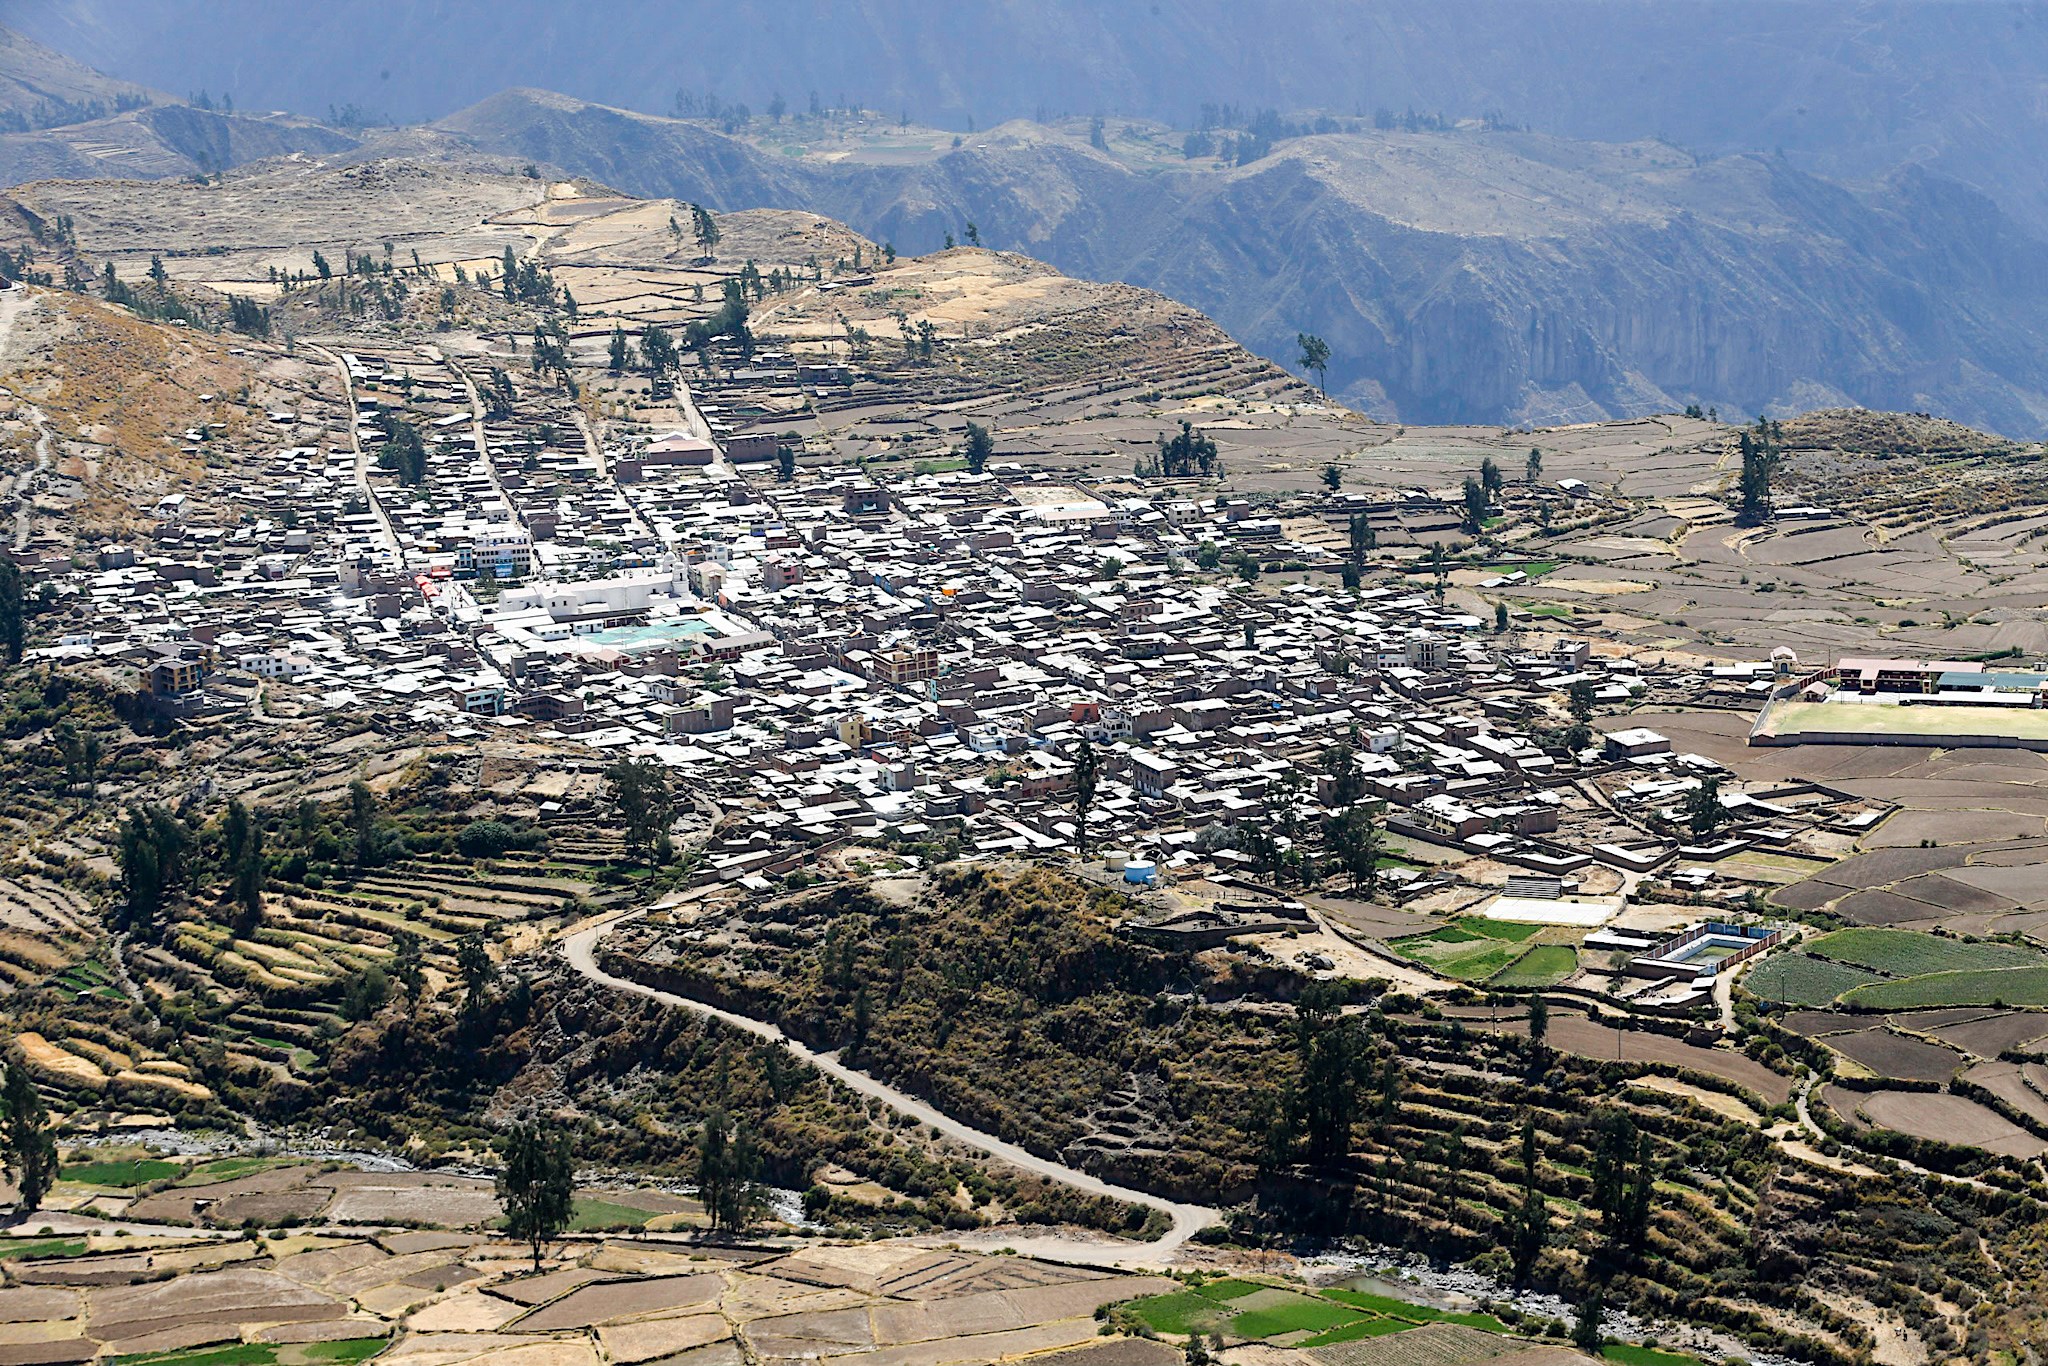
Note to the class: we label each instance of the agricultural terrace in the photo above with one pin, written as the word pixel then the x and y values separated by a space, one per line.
pixel 1500 953
pixel 1888 969
pixel 323 1300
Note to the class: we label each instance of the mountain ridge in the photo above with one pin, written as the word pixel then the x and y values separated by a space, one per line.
pixel 1459 276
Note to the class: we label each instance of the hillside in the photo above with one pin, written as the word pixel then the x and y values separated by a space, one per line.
pixel 42 88
pixel 1458 276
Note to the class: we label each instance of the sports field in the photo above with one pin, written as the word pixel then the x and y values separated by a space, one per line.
pixel 1790 719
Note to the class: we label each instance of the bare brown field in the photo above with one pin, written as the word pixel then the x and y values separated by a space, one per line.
pixel 1576 1034
pixel 1949 1119
pixel 1990 1035
pixel 1890 1055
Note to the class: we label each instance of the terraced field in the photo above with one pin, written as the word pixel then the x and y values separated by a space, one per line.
pixel 1250 1311
pixel 1474 949
pixel 1888 969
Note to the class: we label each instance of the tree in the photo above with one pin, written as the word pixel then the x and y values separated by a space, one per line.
pixel 473 964
pixel 1759 463
pixel 1539 1019
pixel 1586 1332
pixel 1613 1145
pixel 13 616
pixel 242 837
pixel 362 821
pixel 1500 617
pixel 642 800
pixel 79 750
pixel 1330 1049
pixel 1354 840
pixel 1363 539
pixel 1477 504
pixel 657 350
pixel 1315 356
pixel 619 357
pixel 536 1185
pixel 1580 697
pixel 1532 469
pixel 728 1174
pixel 1333 478
pixel 1528 1232
pixel 31 1151
pixel 1702 810
pixel 403 453
pixel 973 234
pixel 407 964
pixel 706 230
pixel 1340 761
pixel 785 462
pixel 980 446
pixel 1188 453
pixel 1490 476
pixel 153 851
pixel 1084 793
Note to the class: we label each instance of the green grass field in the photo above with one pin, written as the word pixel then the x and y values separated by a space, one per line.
pixel 1864 718
pixel 1629 1355
pixel 228 1168
pixel 236 1354
pixel 1909 953
pixel 1473 960
pixel 33 1249
pixel 1357 1328
pixel 1543 966
pixel 591 1216
pixel 1305 1314
pixel 2026 986
pixel 1514 932
pixel 133 1172
pixel 1184 1312
pixel 343 1352
pixel 1795 979
pixel 346 1352
pixel 1413 1313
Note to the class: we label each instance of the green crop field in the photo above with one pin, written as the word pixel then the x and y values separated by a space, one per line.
pixel 1543 966
pixel 41 1247
pixel 1304 1314
pixel 1797 980
pixel 1513 932
pixel 1357 1328
pixel 1471 961
pixel 592 1215
pixel 2027 986
pixel 345 1352
pixel 1628 1354
pixel 1909 953
pixel 1187 1311
pixel 134 1172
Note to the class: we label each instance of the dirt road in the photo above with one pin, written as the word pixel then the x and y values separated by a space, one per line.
pixel 580 947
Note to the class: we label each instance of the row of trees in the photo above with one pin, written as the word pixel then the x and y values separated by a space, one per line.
pixel 537 1183
pixel 1187 454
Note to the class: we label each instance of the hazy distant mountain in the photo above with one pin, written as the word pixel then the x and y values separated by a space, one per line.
pixel 61 119
pixel 1846 88
pixel 42 88
pixel 1459 276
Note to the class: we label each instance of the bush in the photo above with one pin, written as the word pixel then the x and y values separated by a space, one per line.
pixel 493 839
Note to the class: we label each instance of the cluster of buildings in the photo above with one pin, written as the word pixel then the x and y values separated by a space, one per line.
pixel 835 660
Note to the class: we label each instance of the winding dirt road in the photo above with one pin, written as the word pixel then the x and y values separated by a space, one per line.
pixel 580 947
